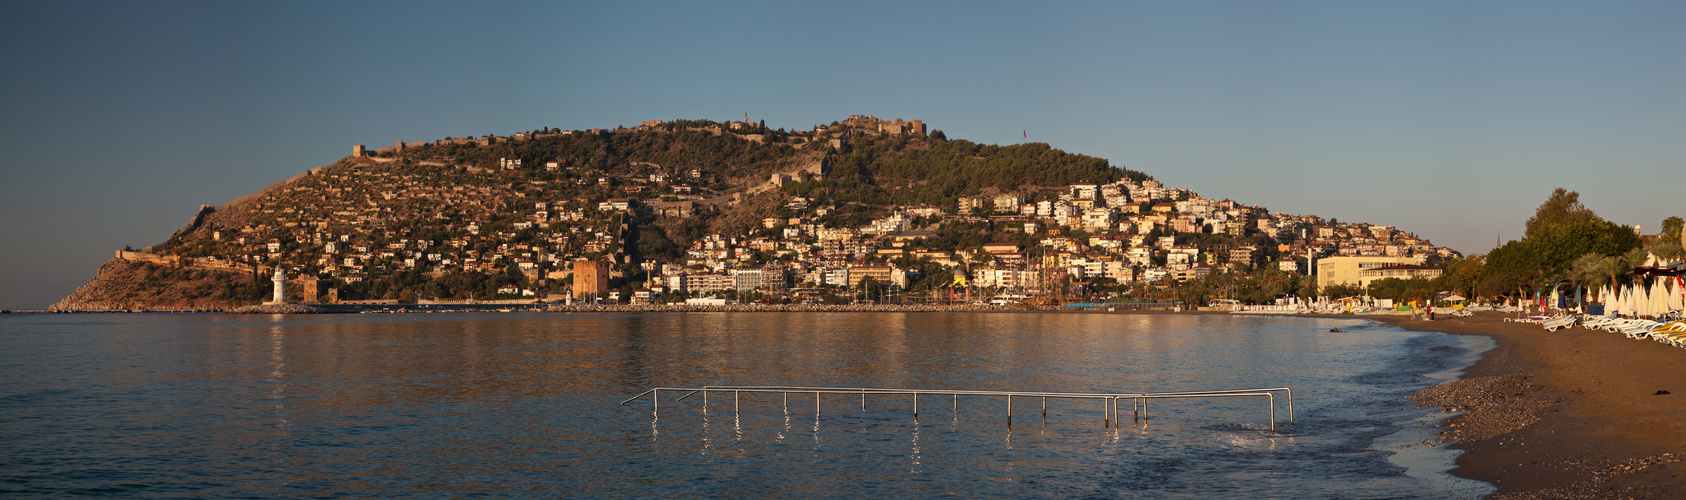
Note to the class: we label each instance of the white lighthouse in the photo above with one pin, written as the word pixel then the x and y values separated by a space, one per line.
pixel 280 280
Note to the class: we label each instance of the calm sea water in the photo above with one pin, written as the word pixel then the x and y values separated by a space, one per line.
pixel 528 405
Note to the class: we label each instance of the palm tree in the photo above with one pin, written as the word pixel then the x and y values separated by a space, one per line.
pixel 1612 267
pixel 1666 251
pixel 1587 270
pixel 1635 258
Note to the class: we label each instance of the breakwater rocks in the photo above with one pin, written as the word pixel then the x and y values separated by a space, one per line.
pixel 282 309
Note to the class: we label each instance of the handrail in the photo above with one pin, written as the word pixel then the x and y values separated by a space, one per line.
pixel 1288 390
pixel 1110 399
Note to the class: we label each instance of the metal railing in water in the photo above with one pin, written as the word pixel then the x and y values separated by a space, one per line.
pixel 1109 400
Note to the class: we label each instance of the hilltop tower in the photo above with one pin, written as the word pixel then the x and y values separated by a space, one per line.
pixel 280 280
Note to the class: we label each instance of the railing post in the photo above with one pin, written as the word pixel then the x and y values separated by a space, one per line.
pixel 1111 414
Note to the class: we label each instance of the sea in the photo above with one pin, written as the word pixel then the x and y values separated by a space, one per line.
pixel 537 405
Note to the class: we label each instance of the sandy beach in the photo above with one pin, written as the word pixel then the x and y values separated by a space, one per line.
pixel 1574 413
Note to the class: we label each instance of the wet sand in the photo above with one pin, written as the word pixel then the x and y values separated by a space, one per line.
pixel 1568 414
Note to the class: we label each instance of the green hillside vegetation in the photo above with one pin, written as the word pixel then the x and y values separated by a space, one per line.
pixel 674 148
pixel 904 170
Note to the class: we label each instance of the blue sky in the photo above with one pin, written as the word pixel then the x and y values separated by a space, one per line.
pixel 1452 120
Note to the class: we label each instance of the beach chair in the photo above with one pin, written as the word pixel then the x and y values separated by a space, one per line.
pixel 1640 328
pixel 1553 324
pixel 1671 333
pixel 1597 322
pixel 1617 325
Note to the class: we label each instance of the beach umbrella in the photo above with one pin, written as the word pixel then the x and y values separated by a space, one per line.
pixel 1659 298
pixel 1639 300
pixel 1644 300
pixel 1678 298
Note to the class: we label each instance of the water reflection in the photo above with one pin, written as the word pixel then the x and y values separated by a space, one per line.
pixel 528 405
pixel 915 457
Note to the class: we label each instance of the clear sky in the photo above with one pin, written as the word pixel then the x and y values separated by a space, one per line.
pixel 1452 120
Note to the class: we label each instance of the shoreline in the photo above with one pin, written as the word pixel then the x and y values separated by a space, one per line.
pixel 1568 414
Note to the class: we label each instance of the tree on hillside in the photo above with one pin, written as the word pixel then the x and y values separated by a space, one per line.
pixel 1563 207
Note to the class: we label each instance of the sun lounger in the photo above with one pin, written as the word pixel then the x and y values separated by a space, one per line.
pixel 1640 328
pixel 1673 338
pixel 1671 333
pixel 1553 324
pixel 1597 322
pixel 1618 325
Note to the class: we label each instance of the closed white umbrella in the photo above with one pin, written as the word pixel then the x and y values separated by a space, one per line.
pixel 1641 301
pixel 1678 297
pixel 1659 298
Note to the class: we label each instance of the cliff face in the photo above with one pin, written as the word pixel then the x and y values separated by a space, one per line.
pixel 133 285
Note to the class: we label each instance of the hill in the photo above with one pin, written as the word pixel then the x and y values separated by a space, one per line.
pixel 502 217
